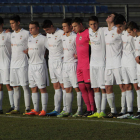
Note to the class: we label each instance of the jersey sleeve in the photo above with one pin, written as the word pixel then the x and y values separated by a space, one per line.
pixel 9 37
pixel 46 43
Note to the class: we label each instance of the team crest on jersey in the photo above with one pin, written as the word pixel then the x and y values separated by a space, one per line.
pixel 70 41
pixel 55 37
pixel 36 41
pixel 2 37
pixel 80 38
pixel 21 37
pixel 113 35
pixel 96 34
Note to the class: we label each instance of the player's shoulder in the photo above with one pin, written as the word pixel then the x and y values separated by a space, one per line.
pixel 73 34
pixel 59 31
pixel 25 31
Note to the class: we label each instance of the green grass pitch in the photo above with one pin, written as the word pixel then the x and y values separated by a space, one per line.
pixel 19 127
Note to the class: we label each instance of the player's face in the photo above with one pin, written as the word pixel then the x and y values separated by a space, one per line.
pixel 120 28
pixel 110 18
pixel 76 27
pixel 93 25
pixel 48 30
pixel 66 27
pixel 33 29
pixel 131 32
pixel 14 25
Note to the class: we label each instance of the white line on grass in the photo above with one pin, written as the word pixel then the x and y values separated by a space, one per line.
pixel 47 118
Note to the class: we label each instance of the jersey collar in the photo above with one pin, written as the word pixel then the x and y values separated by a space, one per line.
pixel 19 31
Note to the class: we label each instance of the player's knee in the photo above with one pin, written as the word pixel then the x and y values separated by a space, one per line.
pixel 69 90
pixel 9 88
pixel 96 89
pixel 128 87
pixel 109 89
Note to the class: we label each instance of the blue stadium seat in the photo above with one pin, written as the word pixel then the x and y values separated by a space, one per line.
pixel 98 9
pixel 48 9
pixel 27 1
pixel 6 9
pixel 56 9
pixel 88 9
pixel 72 9
pixel 104 9
pixel 20 1
pixel 35 1
pixel 66 9
pixel 23 9
pixel 3 1
pixel 80 9
pixel 92 1
pixel 69 1
pixel 14 9
pixel 40 9
pixel 0 9
pixel 28 9
pixel 52 1
pixel 83 1
pixel 12 1
pixel 76 1
pixel 43 1
pixel 60 1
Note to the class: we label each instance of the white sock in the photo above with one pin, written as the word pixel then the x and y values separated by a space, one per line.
pixel 98 98
pixel 129 100
pixel 123 102
pixel 138 100
pixel 69 99
pixel 17 95
pixel 64 100
pixel 11 98
pixel 1 98
pixel 104 101
pixel 79 101
pixel 58 98
pixel 35 99
pixel 27 97
pixel 111 102
pixel 44 100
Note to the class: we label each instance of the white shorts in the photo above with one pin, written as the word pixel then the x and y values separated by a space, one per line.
pixel 55 69
pixel 5 76
pixel 129 75
pixel 69 75
pixel 19 76
pixel 38 76
pixel 113 76
pixel 97 75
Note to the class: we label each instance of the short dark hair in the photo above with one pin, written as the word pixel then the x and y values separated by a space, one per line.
pixel 35 23
pixel 115 16
pixel 47 23
pixel 78 20
pixel 93 18
pixel 67 20
pixel 132 25
pixel 120 19
pixel 16 18
pixel 1 20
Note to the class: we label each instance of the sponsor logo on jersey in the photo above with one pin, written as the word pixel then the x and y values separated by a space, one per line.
pixel 80 38
pixel 2 37
pixel 36 41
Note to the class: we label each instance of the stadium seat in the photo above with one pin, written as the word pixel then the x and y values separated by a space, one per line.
pixel 76 1
pixel 69 1
pixel 98 9
pixel 3 1
pixel 0 9
pixel 14 9
pixel 27 1
pixel 56 9
pixel 52 1
pixel 88 9
pixel 40 9
pixel 12 1
pixel 83 1
pixel 6 9
pixel 28 9
pixel 92 1
pixel 23 9
pixel 43 1
pixel 104 9
pixel 61 1
pixel 20 1
pixel 72 9
pixel 48 9
pixel 80 9
pixel 35 1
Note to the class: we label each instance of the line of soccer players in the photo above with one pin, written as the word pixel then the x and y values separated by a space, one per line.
pixel 114 59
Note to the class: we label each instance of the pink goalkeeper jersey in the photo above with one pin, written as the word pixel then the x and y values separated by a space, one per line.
pixel 82 47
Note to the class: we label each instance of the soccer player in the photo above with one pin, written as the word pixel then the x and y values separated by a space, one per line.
pixel 69 69
pixel 97 66
pixel 37 69
pixel 83 74
pixel 133 30
pixel 55 48
pixel 128 67
pixel 113 71
pixel 19 64
pixel 5 58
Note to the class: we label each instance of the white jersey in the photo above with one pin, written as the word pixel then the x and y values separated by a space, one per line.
pixel 113 48
pixel 36 49
pixel 69 47
pixel 19 43
pixel 55 46
pixel 128 56
pixel 5 50
pixel 97 41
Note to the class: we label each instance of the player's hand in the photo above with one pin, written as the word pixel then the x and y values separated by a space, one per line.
pixel 26 51
pixel 7 30
pixel 75 56
pixel 137 59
